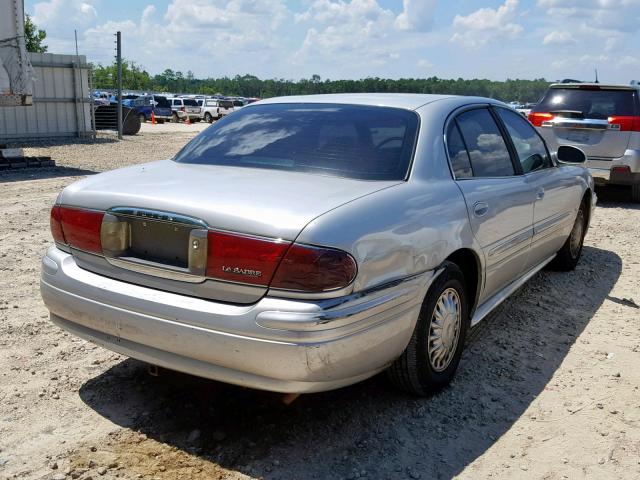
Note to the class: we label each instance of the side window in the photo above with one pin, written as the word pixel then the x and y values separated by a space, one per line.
pixel 486 146
pixel 532 153
pixel 458 154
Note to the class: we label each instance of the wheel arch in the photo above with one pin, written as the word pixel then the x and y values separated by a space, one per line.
pixel 468 261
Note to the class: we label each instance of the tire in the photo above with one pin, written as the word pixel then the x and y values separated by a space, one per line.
pixel 175 118
pixel 568 256
pixel 142 118
pixel 635 193
pixel 419 370
pixel 208 118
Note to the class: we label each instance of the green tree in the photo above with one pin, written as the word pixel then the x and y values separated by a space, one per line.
pixel 134 77
pixel 34 36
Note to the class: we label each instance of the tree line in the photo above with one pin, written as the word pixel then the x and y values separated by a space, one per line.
pixel 135 77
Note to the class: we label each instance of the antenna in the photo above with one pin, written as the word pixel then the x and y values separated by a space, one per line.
pixel 597 76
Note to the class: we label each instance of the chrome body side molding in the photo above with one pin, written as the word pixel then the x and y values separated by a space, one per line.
pixel 488 306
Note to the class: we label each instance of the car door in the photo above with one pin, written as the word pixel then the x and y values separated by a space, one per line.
pixel 499 200
pixel 557 194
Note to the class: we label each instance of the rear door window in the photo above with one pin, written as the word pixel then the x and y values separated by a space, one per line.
pixel 588 103
pixel 191 102
pixel 458 155
pixel 487 149
pixel 162 102
pixel 531 150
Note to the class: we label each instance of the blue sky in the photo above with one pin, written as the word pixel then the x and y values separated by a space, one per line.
pixel 494 39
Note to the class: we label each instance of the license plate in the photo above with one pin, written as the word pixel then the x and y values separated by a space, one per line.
pixel 577 136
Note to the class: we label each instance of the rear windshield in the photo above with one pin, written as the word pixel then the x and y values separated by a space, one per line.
pixel 226 104
pixel 583 103
pixel 362 142
pixel 162 101
pixel 189 101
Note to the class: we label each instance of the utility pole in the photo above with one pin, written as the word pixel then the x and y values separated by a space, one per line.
pixel 119 63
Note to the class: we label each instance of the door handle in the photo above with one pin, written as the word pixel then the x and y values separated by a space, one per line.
pixel 480 209
pixel 540 194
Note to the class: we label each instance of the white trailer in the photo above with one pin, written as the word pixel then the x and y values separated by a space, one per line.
pixel 16 73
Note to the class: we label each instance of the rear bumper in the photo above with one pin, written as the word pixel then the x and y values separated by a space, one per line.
pixel 604 171
pixel 276 344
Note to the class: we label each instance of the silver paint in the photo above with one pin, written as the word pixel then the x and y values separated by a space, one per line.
pixel 399 233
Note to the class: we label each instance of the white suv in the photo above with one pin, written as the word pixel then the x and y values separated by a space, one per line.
pixel 603 121
pixel 209 110
pixel 183 108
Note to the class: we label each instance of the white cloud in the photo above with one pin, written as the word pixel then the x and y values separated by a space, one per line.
pixel 59 18
pixel 57 13
pixel 416 15
pixel 197 35
pixel 609 15
pixel 424 63
pixel 359 29
pixel 558 38
pixel 486 25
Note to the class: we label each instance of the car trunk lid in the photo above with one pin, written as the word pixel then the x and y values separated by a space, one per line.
pixel 160 217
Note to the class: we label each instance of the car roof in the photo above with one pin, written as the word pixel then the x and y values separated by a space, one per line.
pixel 410 101
pixel 609 86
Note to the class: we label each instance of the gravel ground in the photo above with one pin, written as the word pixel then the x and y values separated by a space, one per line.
pixel 548 386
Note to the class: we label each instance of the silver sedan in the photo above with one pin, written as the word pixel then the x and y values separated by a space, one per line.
pixel 307 243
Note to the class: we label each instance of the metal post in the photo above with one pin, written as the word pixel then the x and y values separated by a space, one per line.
pixel 119 62
pixel 82 97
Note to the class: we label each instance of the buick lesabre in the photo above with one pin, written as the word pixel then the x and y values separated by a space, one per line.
pixel 307 243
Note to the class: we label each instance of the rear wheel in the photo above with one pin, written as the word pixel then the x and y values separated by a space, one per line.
pixel 635 193
pixel 208 118
pixel 433 353
pixel 568 256
pixel 174 118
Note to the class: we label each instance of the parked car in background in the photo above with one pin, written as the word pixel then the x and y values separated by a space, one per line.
pixel 183 108
pixel 603 120
pixel 225 107
pixel 156 104
pixel 307 243
pixel 238 103
pixel 209 109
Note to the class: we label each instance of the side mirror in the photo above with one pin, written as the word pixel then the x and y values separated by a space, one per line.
pixel 569 154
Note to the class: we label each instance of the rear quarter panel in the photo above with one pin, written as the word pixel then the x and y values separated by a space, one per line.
pixel 408 228
pixel 397 232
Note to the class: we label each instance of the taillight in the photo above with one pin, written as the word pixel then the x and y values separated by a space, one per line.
pixel 536 118
pixel 182 109
pixel 624 123
pixel 277 264
pixel 77 228
pixel 314 269
pixel 623 169
pixel 56 225
pixel 242 258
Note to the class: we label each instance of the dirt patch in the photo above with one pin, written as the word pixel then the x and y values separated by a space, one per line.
pixel 548 387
